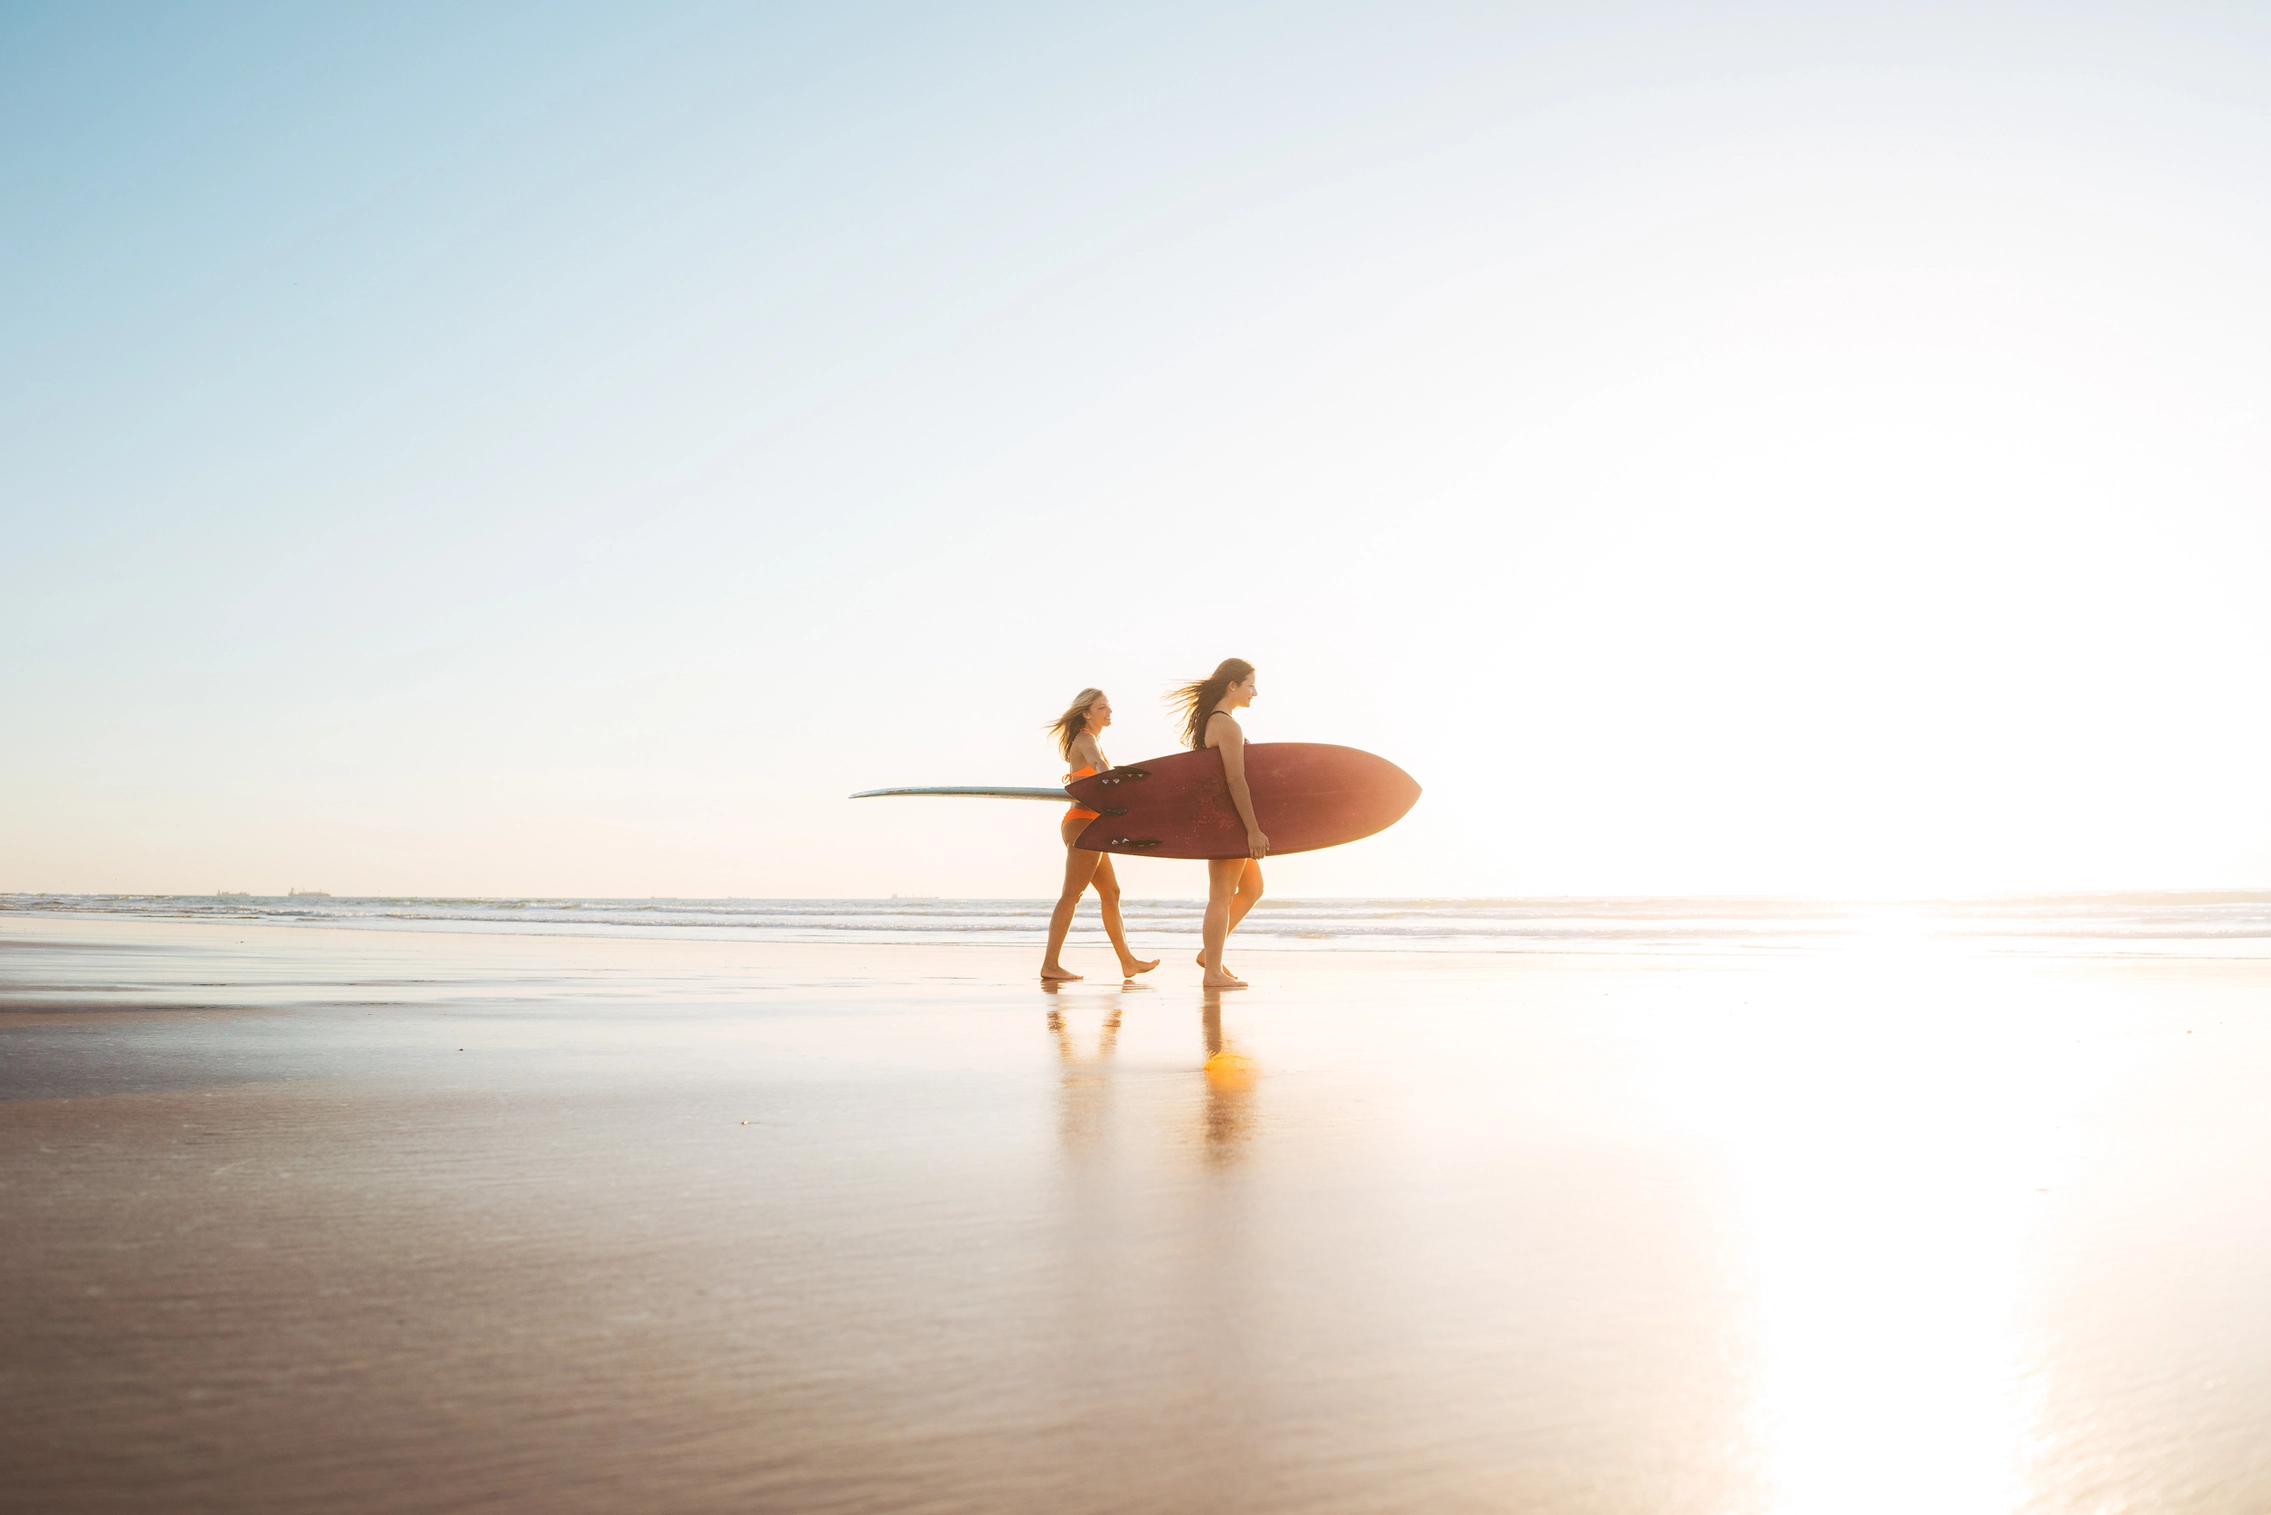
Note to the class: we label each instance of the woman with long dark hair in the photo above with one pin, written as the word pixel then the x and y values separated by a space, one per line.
pixel 1233 884
pixel 1076 731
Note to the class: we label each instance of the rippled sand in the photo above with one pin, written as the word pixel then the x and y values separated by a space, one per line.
pixel 325 1220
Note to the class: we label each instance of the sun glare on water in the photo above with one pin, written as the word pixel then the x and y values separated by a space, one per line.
pixel 1888 1157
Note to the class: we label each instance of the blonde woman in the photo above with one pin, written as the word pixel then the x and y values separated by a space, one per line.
pixel 1076 731
pixel 1233 884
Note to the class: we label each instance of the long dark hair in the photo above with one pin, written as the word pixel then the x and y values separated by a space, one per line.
pixel 1199 697
pixel 1074 721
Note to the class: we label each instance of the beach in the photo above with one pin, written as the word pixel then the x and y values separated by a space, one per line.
pixel 588 591
pixel 314 1215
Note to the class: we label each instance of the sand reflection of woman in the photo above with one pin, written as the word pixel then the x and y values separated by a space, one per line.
pixel 1084 1096
pixel 1230 1077
pixel 1076 731
pixel 1233 884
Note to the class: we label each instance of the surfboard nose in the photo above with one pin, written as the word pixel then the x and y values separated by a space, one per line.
pixel 1392 791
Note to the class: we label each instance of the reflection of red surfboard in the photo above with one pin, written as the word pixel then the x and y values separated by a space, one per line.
pixel 1306 795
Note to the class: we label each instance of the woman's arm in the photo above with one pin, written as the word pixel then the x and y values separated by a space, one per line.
pixel 1085 752
pixel 1233 750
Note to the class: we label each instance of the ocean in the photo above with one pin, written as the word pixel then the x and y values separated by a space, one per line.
pixel 2219 924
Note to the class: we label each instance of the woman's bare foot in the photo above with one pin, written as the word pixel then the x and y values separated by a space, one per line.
pixel 1131 966
pixel 1057 976
pixel 1223 980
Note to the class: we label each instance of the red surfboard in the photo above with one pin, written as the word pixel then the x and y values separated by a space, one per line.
pixel 1306 795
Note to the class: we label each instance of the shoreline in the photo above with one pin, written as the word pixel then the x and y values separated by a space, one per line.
pixel 2195 929
pixel 1086 936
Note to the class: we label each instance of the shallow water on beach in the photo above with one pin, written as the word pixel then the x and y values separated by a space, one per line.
pixel 354 1220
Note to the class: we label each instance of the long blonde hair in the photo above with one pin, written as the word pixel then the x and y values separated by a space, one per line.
pixel 1198 698
pixel 1074 721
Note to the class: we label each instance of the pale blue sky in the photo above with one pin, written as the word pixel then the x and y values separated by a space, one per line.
pixel 493 449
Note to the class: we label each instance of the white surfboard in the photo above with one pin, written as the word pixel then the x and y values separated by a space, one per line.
pixel 976 791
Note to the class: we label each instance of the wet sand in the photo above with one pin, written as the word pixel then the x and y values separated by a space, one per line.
pixel 355 1220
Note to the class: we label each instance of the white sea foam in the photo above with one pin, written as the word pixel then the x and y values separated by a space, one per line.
pixel 2194 924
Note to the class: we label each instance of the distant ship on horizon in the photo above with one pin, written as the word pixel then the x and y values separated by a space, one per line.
pixel 308 894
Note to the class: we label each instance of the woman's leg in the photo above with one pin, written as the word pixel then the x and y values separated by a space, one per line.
pixel 1222 878
pixel 1249 891
pixel 1080 865
pixel 1108 896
